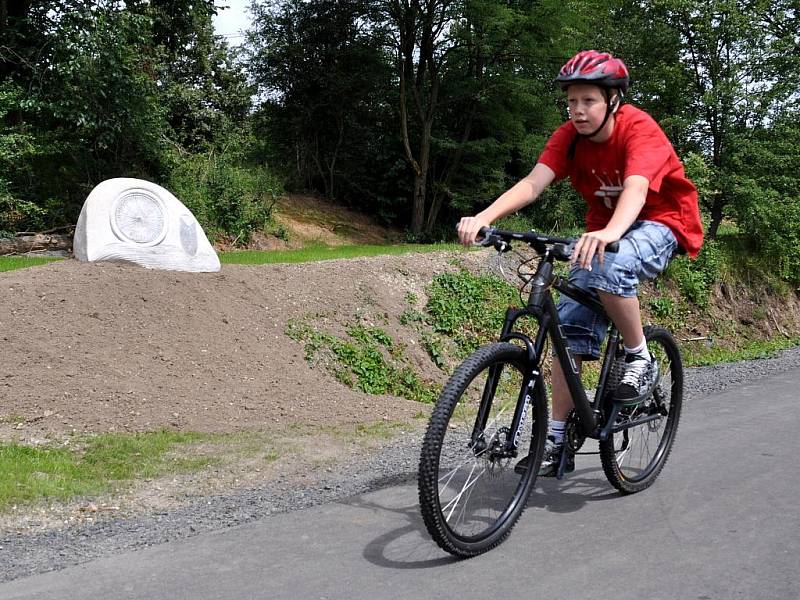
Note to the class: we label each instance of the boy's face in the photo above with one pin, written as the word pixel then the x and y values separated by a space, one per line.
pixel 587 106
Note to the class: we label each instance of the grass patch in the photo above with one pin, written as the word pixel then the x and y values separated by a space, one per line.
pixel 32 474
pixel 11 263
pixel 382 430
pixel 322 252
pixel 699 355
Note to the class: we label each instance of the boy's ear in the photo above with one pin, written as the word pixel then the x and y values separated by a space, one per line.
pixel 615 102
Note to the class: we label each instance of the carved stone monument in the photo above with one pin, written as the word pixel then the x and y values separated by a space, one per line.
pixel 140 222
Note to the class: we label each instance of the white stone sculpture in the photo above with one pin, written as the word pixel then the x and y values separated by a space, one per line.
pixel 140 222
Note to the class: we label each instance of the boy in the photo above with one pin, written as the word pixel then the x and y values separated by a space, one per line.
pixel 621 162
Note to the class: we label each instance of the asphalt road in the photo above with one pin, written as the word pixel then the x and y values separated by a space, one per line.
pixel 722 522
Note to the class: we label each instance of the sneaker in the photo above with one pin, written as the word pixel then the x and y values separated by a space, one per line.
pixel 637 381
pixel 550 460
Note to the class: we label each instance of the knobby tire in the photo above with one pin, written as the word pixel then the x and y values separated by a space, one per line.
pixel 471 497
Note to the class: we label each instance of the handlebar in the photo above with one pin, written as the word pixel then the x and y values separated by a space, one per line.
pixel 561 247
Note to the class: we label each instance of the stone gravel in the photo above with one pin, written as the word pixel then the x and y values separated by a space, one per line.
pixel 23 554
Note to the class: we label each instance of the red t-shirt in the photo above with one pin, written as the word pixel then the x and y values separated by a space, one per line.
pixel 637 146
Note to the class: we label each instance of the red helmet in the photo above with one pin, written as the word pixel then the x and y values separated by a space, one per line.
pixel 597 68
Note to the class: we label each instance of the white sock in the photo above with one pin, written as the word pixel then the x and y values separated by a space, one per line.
pixel 556 430
pixel 640 349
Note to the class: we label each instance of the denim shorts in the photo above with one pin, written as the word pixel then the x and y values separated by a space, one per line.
pixel 644 251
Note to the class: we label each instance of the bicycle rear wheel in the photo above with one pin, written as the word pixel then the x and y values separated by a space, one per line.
pixel 470 495
pixel 633 458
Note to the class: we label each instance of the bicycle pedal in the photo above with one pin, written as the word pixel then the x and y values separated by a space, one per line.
pixel 566 464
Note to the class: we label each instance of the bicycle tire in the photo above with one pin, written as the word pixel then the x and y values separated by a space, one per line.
pixel 470 496
pixel 632 459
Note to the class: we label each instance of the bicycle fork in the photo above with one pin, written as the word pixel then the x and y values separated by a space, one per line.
pixel 506 448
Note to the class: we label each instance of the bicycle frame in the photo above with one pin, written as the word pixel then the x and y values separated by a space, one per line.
pixel 541 307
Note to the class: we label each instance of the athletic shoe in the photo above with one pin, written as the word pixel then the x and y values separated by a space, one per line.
pixel 641 372
pixel 550 460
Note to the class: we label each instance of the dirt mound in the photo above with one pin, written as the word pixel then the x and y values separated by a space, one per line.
pixel 111 347
pixel 309 220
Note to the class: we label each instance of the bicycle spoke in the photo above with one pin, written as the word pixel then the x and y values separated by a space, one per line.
pixel 467 485
pixel 469 491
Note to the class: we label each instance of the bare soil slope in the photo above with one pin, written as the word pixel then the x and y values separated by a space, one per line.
pixel 110 347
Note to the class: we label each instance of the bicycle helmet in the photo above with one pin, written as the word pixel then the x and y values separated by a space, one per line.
pixel 600 69
pixel 597 68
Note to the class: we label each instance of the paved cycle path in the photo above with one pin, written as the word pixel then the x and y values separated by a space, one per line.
pixel 720 523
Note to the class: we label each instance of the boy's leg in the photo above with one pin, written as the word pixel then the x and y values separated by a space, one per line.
pixel 644 252
pixel 626 315
pixel 562 404
pixel 562 399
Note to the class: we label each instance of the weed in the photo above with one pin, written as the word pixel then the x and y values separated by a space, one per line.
pixel 469 308
pixel 368 360
pixel 434 346
pixel 410 316
pixel 662 308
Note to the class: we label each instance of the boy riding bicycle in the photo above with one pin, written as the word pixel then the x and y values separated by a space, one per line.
pixel 621 162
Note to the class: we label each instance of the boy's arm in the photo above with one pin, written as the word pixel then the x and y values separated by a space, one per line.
pixel 630 204
pixel 521 194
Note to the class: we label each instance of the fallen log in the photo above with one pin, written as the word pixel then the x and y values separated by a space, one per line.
pixel 25 242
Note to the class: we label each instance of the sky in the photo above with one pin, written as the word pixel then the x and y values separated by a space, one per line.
pixel 231 22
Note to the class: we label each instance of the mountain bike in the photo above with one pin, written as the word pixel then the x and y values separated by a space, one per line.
pixel 493 412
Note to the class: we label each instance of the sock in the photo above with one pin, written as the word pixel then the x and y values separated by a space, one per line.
pixel 556 430
pixel 641 349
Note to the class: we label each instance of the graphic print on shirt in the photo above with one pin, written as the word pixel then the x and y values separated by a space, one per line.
pixel 608 191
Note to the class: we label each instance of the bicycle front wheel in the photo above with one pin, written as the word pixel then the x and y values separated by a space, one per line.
pixel 633 458
pixel 470 493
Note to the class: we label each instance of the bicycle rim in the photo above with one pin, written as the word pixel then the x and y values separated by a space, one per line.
pixel 470 494
pixel 633 458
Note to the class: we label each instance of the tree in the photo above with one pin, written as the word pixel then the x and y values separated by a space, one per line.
pixel 320 68
pixel 203 87
pixel 473 80
pixel 102 88
pixel 744 63
pixel 765 181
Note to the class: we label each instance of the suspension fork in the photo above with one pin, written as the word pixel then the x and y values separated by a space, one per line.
pixel 532 379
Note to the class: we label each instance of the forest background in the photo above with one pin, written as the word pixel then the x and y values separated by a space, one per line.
pixel 416 112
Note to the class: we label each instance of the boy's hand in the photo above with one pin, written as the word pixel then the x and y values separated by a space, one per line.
pixel 589 244
pixel 468 228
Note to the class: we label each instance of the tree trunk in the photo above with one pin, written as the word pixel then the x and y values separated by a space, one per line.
pixel 716 215
pixel 418 210
pixel 35 242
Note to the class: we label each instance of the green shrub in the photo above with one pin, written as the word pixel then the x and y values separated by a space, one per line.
pixel 772 221
pixel 227 199
pixel 469 308
pixel 695 278
pixel 17 215
pixel 662 308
